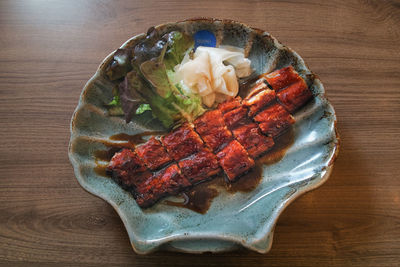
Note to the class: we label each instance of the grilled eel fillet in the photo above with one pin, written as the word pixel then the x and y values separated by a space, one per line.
pixel 226 139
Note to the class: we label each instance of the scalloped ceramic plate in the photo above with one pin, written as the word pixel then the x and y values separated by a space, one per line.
pixel 233 220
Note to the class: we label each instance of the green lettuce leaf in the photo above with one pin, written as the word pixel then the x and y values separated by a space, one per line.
pixel 178 44
pixel 160 74
pixel 148 80
pixel 114 106
pixel 136 91
pixel 189 105
pixel 154 71
pixel 143 108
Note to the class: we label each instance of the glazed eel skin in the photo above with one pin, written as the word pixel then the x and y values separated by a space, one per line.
pixel 226 139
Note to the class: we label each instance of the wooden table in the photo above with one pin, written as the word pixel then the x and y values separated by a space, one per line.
pixel 49 49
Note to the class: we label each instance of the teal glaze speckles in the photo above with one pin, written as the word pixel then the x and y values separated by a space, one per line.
pixel 233 220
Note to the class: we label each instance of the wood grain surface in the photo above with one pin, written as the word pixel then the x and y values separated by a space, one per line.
pixel 49 49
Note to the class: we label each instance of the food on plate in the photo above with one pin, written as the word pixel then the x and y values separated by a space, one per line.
pixel 224 140
pixel 235 160
pixel 182 142
pixel 153 154
pixel 144 78
pixel 292 90
pixel 212 129
pixel 260 97
pixel 252 139
pixel 208 76
pixel 274 120
pixel 168 181
pixel 199 166
pixel 166 76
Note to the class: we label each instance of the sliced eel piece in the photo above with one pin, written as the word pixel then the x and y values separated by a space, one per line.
pixel 259 99
pixel 125 161
pixel 168 181
pixel 251 138
pixel 234 160
pixel 127 169
pixel 230 104
pixel 211 127
pixel 259 86
pixel 200 166
pixel 282 78
pixel 153 154
pixel 182 142
pixel 294 96
pixel 209 120
pixel 274 120
pixel 236 117
pixel 129 181
pixel 217 138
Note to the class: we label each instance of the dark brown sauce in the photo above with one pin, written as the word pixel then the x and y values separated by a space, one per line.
pixel 101 170
pixel 106 155
pixel 247 182
pixel 198 198
pixel 278 151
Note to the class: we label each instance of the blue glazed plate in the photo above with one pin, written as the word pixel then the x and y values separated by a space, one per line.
pixel 233 220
